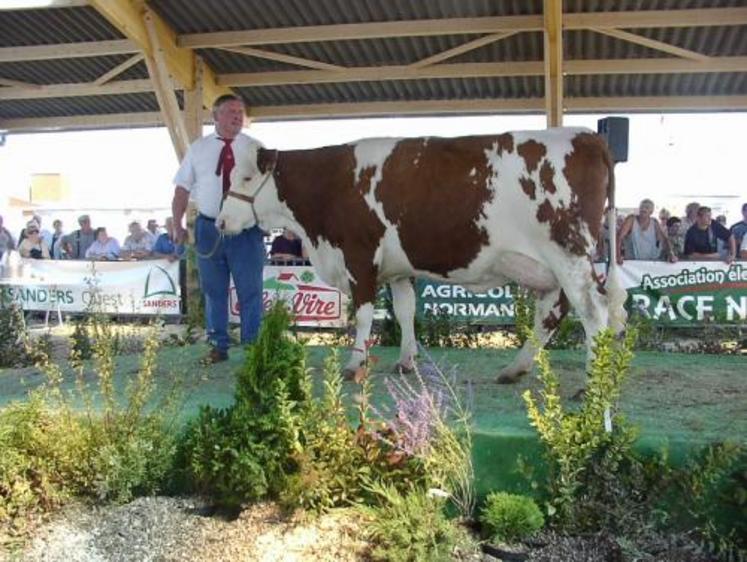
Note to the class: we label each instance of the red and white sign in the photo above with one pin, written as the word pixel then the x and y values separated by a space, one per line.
pixel 311 301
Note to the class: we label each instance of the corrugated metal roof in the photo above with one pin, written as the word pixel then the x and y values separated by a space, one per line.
pixel 400 90
pixel 68 71
pixel 197 16
pixel 86 105
pixel 71 25
pixel 57 25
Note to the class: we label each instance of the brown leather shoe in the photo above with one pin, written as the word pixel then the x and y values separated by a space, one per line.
pixel 215 356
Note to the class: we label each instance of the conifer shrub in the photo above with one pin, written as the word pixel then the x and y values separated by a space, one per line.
pixel 246 451
pixel 507 518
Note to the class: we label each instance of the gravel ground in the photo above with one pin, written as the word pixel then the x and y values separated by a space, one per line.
pixel 162 529
pixel 176 529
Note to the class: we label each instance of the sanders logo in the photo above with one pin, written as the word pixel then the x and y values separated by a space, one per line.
pixel 159 286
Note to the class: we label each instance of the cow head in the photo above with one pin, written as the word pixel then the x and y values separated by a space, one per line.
pixel 253 197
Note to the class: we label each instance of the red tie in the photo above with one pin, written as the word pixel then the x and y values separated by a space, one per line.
pixel 225 164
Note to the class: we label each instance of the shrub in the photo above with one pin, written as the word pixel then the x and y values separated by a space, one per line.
pixel 332 467
pixel 245 452
pixel 16 349
pixel 574 440
pixel 508 518
pixel 410 527
pixel 51 451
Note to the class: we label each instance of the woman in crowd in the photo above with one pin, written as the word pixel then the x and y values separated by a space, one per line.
pixel 33 246
pixel 104 247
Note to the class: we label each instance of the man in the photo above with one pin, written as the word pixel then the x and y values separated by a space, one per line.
pixel 739 229
pixel 204 175
pixel 644 237
pixel 165 246
pixel 701 239
pixel 77 242
pixel 287 248
pixel 7 242
pixel 139 244
pixel 45 234
pixel 152 227
pixel 57 235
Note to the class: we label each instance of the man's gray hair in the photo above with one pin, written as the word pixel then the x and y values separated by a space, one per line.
pixel 220 100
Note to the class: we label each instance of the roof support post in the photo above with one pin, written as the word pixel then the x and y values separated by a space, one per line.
pixel 164 89
pixel 553 15
pixel 193 113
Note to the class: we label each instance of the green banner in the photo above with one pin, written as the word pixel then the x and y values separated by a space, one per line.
pixel 681 294
pixel 688 293
pixel 495 306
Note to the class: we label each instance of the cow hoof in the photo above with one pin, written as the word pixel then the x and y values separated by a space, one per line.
pixel 579 396
pixel 508 378
pixel 402 369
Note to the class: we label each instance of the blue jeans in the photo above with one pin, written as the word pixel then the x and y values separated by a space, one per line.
pixel 241 256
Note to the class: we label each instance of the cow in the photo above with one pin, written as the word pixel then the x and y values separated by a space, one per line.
pixel 479 211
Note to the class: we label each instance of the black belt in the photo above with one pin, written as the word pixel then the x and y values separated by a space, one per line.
pixel 207 218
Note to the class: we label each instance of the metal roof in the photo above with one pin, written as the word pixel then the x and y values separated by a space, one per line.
pixel 284 77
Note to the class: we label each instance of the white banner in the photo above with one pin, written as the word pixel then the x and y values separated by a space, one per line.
pixel 311 301
pixel 126 287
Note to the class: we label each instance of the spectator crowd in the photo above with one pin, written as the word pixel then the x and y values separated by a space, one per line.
pixel 89 243
pixel 696 236
pixel 640 236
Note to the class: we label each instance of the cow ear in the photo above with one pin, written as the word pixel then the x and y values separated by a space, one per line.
pixel 266 160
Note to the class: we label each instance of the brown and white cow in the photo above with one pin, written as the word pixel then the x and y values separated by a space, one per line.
pixel 479 211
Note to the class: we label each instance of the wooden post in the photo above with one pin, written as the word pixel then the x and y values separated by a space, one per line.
pixel 553 17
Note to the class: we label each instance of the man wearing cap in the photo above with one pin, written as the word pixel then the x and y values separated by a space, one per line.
pixel 76 243
pixel 204 176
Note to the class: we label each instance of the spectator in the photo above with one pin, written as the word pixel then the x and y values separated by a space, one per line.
pixel 33 246
pixel 700 241
pixel 287 247
pixel 6 239
pixel 104 247
pixel 739 229
pixel 644 237
pixel 165 246
pixel 57 235
pixel 152 227
pixel 664 216
pixel 139 244
pixel 43 232
pixel 75 244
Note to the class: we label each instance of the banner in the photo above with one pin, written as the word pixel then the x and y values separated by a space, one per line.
pixel 687 293
pixel 495 306
pixel 126 287
pixel 311 301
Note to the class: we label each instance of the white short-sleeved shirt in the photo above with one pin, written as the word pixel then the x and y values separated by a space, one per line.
pixel 197 171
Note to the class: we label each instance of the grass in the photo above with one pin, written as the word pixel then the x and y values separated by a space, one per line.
pixel 670 395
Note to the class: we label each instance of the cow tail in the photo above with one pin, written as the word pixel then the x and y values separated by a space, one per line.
pixel 616 295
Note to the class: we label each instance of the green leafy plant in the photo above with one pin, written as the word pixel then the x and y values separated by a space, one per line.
pixel 246 452
pixel 112 451
pixel 523 313
pixel 332 467
pixel 16 349
pixel 410 527
pixel 573 441
pixel 507 518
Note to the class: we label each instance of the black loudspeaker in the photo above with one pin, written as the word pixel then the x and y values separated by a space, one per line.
pixel 615 132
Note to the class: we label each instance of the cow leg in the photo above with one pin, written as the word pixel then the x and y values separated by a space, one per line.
pixel 588 302
pixel 549 309
pixel 364 294
pixel 403 299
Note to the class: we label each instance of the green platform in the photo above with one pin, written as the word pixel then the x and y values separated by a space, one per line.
pixel 682 401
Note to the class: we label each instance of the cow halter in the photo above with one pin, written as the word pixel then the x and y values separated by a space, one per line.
pixel 251 198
